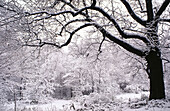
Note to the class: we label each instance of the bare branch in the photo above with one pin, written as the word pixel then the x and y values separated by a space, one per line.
pixel 144 39
pixel 69 4
pixel 51 14
pixel 84 3
pixel 124 35
pixel 123 44
pixel 74 8
pixel 76 30
pixel 93 3
pixel 162 8
pixel 55 3
pixel 73 21
pixel 121 32
pixel 140 6
pixel 149 10
pixel 132 13
pixel 42 44
pixel 164 20
pixel 101 44
pixel 6 8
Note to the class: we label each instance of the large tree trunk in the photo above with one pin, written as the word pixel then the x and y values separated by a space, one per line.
pixel 155 72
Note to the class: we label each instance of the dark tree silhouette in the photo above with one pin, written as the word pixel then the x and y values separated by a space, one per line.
pixel 66 13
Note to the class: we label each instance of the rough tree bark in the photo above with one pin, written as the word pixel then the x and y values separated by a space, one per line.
pixel 155 72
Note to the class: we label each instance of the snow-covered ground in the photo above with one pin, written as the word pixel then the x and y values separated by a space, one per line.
pixel 57 105
pixel 131 96
pixel 123 102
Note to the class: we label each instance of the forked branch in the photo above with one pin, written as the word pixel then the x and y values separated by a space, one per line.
pixel 132 13
pixel 121 32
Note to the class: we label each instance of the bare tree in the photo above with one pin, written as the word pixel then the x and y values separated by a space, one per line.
pixel 133 25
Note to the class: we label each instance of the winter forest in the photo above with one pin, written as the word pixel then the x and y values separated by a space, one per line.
pixel 84 55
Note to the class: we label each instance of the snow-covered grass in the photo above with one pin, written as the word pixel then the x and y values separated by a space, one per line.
pixel 124 102
pixel 127 97
pixel 100 102
pixel 57 105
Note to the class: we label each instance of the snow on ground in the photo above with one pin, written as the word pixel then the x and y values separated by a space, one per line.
pixel 131 96
pixel 123 102
pixel 139 102
pixel 154 105
pixel 57 105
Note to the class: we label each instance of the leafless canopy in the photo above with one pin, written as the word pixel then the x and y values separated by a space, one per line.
pixel 87 13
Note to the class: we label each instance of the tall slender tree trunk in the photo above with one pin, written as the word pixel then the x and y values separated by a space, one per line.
pixel 155 72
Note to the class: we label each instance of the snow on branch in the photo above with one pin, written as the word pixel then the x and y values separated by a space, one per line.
pixel 7 8
pixel 149 10
pixel 135 36
pixel 164 20
pixel 105 14
pixel 162 8
pixel 93 3
pixel 76 30
pixel 69 4
pixel 73 7
pixel 73 21
pixel 123 44
pixel 50 14
pixel 41 44
pixel 121 32
pixel 132 13
pixel 105 33
pixel 100 28
pixel 109 36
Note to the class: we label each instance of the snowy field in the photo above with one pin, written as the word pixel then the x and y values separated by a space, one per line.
pixel 123 102
pixel 57 105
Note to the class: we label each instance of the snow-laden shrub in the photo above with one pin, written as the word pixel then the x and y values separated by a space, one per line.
pixel 144 97
pixel 94 98
pixel 137 104
pixel 157 103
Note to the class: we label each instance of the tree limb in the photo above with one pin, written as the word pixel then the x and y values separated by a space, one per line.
pixel 93 3
pixel 100 46
pixel 6 8
pixel 72 33
pixel 140 6
pixel 124 35
pixel 42 44
pixel 74 8
pixel 162 8
pixel 121 43
pixel 121 32
pixel 164 20
pixel 72 21
pixel 149 10
pixel 132 13
pixel 144 39
pixel 50 14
